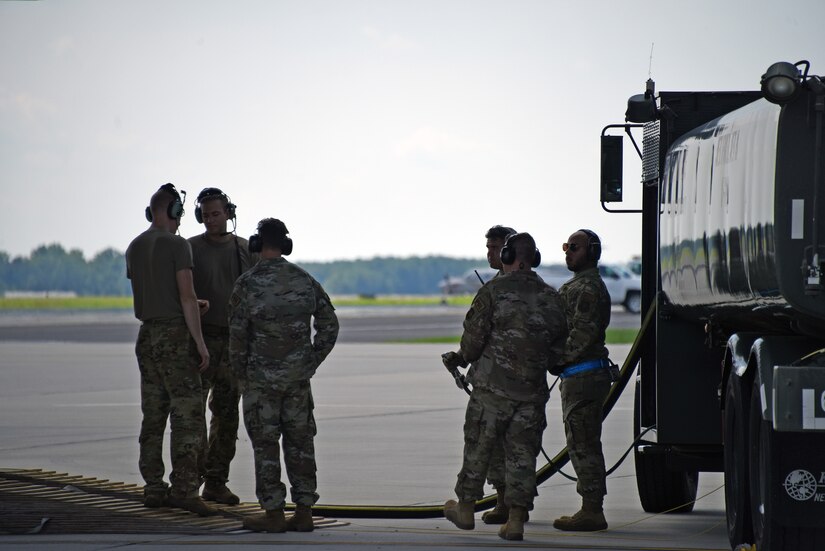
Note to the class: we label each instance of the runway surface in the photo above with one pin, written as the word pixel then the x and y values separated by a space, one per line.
pixel 389 433
pixel 358 324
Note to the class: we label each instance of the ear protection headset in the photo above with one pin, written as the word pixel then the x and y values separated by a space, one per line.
pixel 175 209
pixel 508 251
pixel 213 193
pixel 594 244
pixel 256 242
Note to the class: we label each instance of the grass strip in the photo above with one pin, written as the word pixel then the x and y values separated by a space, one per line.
pixel 125 302
pixel 66 303
pixel 614 336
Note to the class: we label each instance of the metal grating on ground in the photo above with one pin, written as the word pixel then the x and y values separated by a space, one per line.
pixel 36 501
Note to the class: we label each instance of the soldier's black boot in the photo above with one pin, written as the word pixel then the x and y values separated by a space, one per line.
pixel 301 520
pixel 461 513
pixel 513 530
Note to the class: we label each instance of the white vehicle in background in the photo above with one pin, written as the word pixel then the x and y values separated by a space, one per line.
pixel 625 287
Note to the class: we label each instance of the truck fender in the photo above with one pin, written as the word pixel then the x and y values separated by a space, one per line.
pixel 769 351
pixel 739 352
pixel 737 359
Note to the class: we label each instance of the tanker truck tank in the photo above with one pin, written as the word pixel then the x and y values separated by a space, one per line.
pixel 736 200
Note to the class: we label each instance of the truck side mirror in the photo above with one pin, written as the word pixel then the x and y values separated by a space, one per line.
pixel 611 185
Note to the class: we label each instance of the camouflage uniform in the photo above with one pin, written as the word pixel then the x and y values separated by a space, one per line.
pixel 167 358
pixel 216 267
pixel 169 386
pixel 495 467
pixel 587 306
pixel 514 330
pixel 273 357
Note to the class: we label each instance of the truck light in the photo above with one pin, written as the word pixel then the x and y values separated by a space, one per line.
pixel 781 82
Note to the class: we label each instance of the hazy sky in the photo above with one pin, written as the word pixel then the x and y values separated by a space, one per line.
pixel 370 127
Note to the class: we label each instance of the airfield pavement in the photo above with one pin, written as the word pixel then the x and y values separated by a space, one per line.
pixel 389 433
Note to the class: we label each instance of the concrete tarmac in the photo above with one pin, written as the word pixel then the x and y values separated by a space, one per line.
pixel 389 433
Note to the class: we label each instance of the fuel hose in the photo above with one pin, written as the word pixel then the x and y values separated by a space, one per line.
pixel 553 466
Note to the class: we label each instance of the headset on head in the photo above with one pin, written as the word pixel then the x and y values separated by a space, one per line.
pixel 175 208
pixel 256 242
pixel 508 251
pixel 594 244
pixel 213 193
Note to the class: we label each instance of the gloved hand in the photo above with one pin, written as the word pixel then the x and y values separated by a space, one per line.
pixel 453 359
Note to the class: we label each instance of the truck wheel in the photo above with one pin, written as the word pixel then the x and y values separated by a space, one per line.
pixel 633 302
pixel 660 489
pixel 737 492
pixel 766 534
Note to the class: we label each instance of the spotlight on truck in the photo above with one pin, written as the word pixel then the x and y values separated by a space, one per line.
pixel 781 82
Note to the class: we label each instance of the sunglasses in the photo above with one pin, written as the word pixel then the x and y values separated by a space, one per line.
pixel 570 247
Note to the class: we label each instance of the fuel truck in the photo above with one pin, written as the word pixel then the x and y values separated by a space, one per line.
pixel 732 362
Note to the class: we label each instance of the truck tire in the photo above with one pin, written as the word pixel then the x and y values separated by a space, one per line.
pixel 737 491
pixel 660 489
pixel 633 302
pixel 767 534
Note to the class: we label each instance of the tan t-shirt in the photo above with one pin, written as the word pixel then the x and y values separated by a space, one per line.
pixel 216 269
pixel 153 259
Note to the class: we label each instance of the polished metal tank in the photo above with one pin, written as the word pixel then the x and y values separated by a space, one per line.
pixel 736 221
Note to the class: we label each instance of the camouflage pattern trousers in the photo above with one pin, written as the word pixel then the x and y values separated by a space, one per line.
pixel 270 413
pixel 219 447
pixel 516 427
pixel 496 469
pixel 170 388
pixel 582 399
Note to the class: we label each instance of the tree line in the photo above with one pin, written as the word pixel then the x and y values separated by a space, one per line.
pixel 52 268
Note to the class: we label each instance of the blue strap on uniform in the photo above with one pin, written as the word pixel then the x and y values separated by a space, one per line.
pixel 584 366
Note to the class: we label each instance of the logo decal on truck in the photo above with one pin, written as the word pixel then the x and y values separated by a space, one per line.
pixel 801 485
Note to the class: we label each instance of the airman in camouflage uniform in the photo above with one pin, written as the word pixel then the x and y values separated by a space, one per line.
pixel 495 471
pixel 171 354
pixel 219 258
pixel 273 357
pixel 514 331
pixel 586 378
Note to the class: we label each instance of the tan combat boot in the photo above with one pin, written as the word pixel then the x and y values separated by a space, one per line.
pixel 219 493
pixel 461 513
pixel 154 498
pixel 586 520
pixel 498 515
pixel 301 520
pixel 513 530
pixel 271 521
pixel 192 504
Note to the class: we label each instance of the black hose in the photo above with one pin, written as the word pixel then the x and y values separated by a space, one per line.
pixel 552 467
